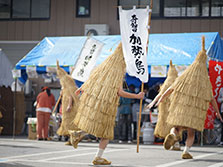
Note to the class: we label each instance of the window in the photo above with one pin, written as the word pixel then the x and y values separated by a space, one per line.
pixel 21 9
pixel 205 8
pixel 217 8
pixel 40 9
pixel 174 8
pixel 193 8
pixel 24 9
pixel 182 8
pixel 128 4
pixel 156 6
pixel 83 8
pixel 5 8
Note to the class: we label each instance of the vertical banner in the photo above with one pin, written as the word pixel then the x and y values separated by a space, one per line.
pixel 216 76
pixel 134 35
pixel 87 59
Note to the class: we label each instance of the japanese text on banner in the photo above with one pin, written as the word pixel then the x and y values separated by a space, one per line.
pixel 216 75
pixel 87 59
pixel 134 35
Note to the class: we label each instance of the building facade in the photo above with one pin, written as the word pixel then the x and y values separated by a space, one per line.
pixel 32 20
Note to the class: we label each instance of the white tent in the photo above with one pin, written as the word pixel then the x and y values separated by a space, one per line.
pixel 13 115
pixel 6 67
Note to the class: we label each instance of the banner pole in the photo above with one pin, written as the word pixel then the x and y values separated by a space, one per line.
pixel 14 110
pixel 55 107
pixel 142 86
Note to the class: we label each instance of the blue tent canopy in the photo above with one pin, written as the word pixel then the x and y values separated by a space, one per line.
pixel 182 48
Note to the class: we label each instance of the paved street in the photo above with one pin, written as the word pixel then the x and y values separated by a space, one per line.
pixel 22 152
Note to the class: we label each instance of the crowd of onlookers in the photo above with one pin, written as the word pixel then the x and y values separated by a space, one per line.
pixel 127 116
pixel 126 119
pixel 220 101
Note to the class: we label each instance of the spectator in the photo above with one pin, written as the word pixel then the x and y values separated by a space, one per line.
pixel 220 100
pixel 45 102
pixel 135 110
pixel 136 107
pixel 125 119
pixel 153 92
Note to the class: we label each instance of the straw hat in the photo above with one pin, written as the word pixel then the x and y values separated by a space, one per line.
pixel 162 128
pixel 69 89
pixel 192 94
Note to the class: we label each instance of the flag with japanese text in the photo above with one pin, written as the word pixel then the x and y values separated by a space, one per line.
pixel 134 36
pixel 87 59
pixel 216 78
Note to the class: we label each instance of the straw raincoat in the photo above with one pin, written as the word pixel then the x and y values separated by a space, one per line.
pixel 68 88
pixel 99 100
pixel 162 128
pixel 192 95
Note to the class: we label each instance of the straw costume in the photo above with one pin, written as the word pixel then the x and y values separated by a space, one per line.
pixel 69 88
pixel 162 128
pixel 190 98
pixel 99 100
pixel 192 95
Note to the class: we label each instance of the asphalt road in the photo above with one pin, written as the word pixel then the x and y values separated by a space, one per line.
pixel 22 152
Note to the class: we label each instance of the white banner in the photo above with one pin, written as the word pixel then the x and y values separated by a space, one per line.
pixel 16 73
pixel 158 71
pixel 87 59
pixel 134 35
pixel 51 69
pixel 31 72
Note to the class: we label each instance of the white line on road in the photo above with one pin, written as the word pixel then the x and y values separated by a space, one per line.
pixel 78 155
pixel 45 153
pixel 187 160
pixel 217 165
pixel 49 162
pixel 52 160
pixel 73 163
pixel 16 144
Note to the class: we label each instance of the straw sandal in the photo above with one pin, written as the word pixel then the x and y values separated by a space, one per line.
pixel 175 148
pixel 169 141
pixel 76 137
pixel 68 143
pixel 101 161
pixel 186 155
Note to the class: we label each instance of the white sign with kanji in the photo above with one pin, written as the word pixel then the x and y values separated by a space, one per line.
pixel 87 59
pixel 134 35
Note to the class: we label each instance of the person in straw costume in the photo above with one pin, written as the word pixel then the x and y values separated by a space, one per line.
pixel 69 103
pixel 191 94
pixel 162 129
pixel 99 102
